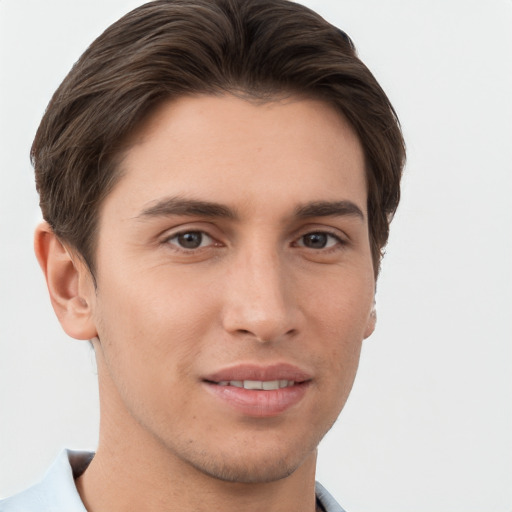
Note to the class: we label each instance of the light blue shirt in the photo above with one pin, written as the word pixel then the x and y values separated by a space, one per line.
pixel 57 491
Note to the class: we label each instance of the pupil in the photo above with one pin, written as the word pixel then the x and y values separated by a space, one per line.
pixel 190 240
pixel 315 240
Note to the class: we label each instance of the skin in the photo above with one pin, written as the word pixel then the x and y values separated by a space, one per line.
pixel 270 281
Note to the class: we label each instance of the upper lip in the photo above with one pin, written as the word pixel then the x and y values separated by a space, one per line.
pixel 279 371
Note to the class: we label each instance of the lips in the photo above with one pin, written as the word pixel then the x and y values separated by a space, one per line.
pixel 243 372
pixel 259 391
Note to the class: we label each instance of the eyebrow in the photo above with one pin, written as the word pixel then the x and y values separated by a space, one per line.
pixel 191 207
pixel 329 209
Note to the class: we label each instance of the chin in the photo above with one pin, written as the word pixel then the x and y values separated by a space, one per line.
pixel 248 471
pixel 253 461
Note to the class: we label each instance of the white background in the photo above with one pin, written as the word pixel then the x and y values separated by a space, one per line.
pixel 429 424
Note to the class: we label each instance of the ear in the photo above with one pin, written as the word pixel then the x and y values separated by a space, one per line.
pixel 69 283
pixel 372 321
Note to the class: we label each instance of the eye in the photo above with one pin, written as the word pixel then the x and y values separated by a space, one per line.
pixel 318 240
pixel 191 240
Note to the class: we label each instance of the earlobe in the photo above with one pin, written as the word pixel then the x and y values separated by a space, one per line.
pixel 69 284
pixel 372 321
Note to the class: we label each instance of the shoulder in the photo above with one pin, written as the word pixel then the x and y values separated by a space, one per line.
pixel 56 492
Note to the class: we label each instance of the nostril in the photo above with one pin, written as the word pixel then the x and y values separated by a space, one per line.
pixel 266 339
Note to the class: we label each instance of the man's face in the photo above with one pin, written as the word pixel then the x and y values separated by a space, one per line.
pixel 233 252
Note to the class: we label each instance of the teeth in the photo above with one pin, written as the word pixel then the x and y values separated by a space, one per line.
pixel 267 385
pixel 253 384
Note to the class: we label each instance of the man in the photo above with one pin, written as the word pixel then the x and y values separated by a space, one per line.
pixel 217 180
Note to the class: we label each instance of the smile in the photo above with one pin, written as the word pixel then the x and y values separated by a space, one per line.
pixel 266 385
pixel 258 391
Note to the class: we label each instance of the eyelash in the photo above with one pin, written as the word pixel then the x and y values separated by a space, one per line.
pixel 338 241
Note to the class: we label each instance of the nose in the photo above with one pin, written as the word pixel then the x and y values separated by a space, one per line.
pixel 259 299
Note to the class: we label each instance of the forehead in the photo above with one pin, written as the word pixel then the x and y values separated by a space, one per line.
pixel 233 150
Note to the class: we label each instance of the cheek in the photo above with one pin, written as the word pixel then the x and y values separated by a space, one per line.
pixel 150 331
pixel 341 306
pixel 341 348
pixel 337 321
pixel 155 300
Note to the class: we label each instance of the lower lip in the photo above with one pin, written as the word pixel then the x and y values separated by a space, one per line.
pixel 259 403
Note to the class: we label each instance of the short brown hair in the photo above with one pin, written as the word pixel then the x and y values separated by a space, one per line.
pixel 170 48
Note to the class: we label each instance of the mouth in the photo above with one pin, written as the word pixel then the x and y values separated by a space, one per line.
pixel 258 391
pixel 264 385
